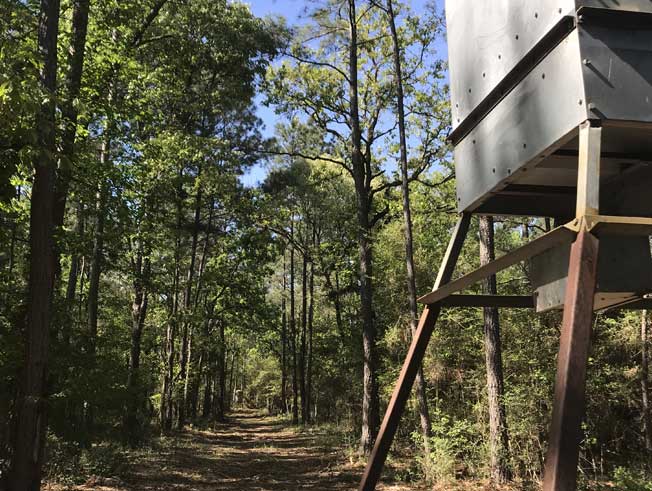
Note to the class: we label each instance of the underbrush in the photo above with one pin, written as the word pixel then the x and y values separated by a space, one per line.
pixel 457 461
pixel 71 463
pixel 631 480
pixel 635 475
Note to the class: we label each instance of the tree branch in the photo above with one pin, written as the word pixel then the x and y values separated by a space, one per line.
pixel 305 156
pixel 138 35
pixel 317 63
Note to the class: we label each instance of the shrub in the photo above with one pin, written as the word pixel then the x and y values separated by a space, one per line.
pixel 70 463
pixel 628 480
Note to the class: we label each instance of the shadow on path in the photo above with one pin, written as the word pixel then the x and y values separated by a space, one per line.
pixel 250 452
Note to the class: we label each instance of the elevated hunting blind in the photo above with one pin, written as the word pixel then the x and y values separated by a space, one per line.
pixel 521 85
pixel 524 76
pixel 551 117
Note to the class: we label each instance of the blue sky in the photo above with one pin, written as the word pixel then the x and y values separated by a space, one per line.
pixel 293 11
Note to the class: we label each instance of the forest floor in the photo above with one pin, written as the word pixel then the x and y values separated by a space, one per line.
pixel 250 452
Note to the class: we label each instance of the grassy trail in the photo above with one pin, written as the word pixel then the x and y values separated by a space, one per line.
pixel 251 452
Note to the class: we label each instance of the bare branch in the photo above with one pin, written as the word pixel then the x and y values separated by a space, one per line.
pixel 433 185
pixel 317 63
pixel 304 156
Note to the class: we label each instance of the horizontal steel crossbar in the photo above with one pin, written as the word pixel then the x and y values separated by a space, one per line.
pixel 558 236
pixel 614 225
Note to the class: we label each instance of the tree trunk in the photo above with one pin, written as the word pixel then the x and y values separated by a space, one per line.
pixel 420 384
pixel 303 338
pixel 231 373
pixel 96 265
pixel 293 334
pixel 135 400
pixel 98 249
pixel 73 274
pixel 31 406
pixel 170 335
pixel 498 435
pixel 166 396
pixel 82 276
pixel 76 54
pixel 362 176
pixel 186 369
pixel 187 302
pixel 222 406
pixel 284 320
pixel 645 384
pixel 168 379
pixel 206 353
pixel 207 406
pixel 193 390
pixel 311 316
pixel 100 212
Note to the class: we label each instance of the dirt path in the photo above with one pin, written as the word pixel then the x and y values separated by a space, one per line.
pixel 251 453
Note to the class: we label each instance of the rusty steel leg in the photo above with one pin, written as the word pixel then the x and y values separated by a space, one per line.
pixel 412 363
pixel 570 386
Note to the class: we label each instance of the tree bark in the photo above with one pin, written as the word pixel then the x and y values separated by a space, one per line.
pixel 73 274
pixel 293 335
pixel 76 55
pixel 95 269
pixel 98 251
pixel 96 264
pixel 231 374
pixel 170 335
pixel 207 405
pixel 303 338
pixel 206 353
pixel 222 406
pixel 362 177
pixel 284 321
pixel 187 302
pixel 311 316
pixel 645 383
pixel 138 314
pixel 498 434
pixel 420 383
pixel 193 389
pixel 31 406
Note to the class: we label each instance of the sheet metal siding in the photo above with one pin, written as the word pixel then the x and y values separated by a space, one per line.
pixel 486 39
pixel 618 72
pixel 628 5
pixel 617 278
pixel 542 112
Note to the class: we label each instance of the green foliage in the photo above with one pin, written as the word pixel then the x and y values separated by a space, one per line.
pixel 453 442
pixel 628 480
pixel 70 463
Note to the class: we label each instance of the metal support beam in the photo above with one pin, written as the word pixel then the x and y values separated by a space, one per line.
pixel 558 236
pixel 412 362
pixel 588 170
pixel 570 386
pixel 611 225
